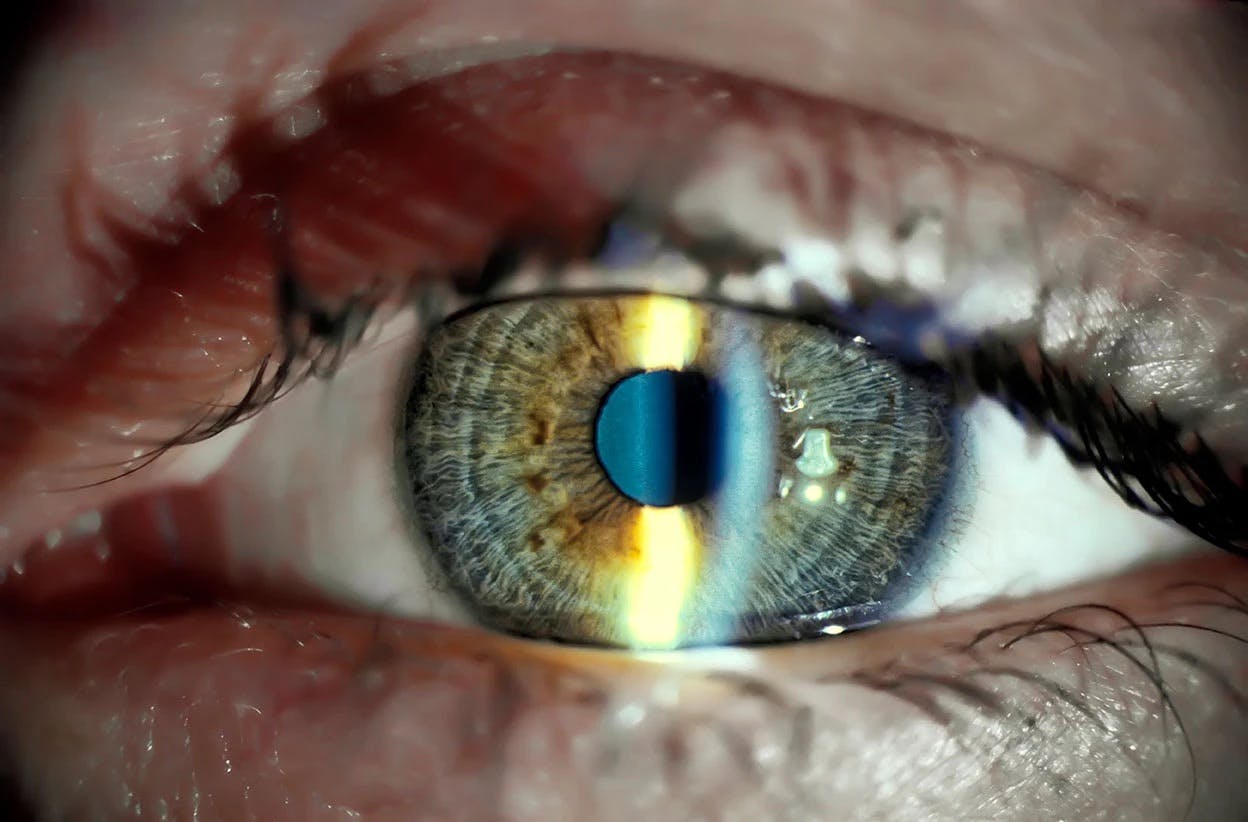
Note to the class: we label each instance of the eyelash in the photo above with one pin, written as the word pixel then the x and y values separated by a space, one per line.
pixel 1145 458
pixel 314 341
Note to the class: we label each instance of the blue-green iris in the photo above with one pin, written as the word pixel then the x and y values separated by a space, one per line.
pixel 813 470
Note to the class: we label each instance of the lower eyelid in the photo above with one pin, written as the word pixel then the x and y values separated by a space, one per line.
pixel 816 723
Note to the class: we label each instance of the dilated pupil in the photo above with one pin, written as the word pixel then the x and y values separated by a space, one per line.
pixel 656 437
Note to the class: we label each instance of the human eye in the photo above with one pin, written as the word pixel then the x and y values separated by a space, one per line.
pixel 303 648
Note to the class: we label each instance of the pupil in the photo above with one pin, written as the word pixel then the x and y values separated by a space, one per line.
pixel 656 435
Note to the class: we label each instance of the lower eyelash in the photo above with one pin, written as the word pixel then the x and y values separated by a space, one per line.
pixel 1130 640
pixel 962 691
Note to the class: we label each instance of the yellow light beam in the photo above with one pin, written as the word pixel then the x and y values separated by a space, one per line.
pixel 662 578
pixel 661 332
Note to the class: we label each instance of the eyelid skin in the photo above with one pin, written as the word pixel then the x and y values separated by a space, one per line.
pixel 154 125
pixel 282 714
pixel 1137 81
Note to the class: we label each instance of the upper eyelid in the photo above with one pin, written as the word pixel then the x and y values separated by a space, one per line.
pixel 1169 87
pixel 954 156
pixel 8 216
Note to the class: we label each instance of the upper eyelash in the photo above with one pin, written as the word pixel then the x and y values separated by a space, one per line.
pixel 1145 458
pixel 1148 460
pixel 314 340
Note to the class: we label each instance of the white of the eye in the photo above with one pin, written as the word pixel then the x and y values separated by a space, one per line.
pixel 1027 521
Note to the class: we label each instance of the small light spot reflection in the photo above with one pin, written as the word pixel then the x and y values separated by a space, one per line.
pixel 816 493
pixel 816 460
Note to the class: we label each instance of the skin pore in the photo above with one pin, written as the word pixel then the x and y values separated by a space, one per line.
pixel 1122 698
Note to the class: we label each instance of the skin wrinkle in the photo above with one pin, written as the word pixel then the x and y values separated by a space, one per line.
pixel 1098 641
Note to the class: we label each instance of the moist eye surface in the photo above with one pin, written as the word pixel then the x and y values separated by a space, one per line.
pixel 648 471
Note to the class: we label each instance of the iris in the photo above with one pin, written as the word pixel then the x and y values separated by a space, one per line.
pixel 648 471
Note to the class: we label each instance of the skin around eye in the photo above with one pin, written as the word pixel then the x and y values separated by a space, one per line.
pixel 316 676
pixel 270 712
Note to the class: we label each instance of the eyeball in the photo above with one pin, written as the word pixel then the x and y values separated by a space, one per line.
pixel 651 471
